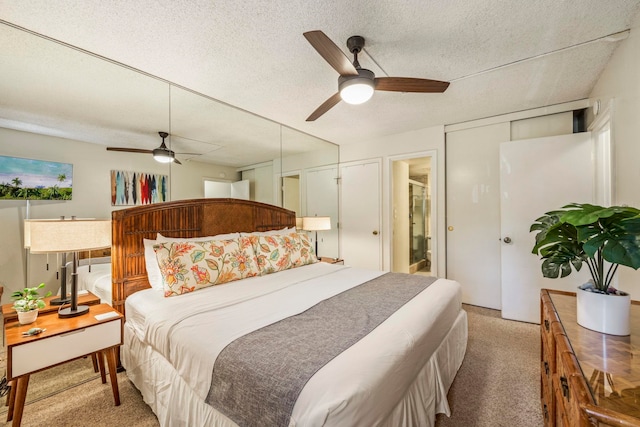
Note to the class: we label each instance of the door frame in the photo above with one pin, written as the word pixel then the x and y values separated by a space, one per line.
pixel 433 212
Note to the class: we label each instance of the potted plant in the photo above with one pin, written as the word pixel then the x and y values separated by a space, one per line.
pixel 603 238
pixel 27 302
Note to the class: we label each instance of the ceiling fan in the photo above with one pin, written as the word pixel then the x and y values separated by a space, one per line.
pixel 161 154
pixel 356 84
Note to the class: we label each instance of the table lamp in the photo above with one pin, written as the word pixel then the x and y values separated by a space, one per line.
pixel 68 235
pixel 316 223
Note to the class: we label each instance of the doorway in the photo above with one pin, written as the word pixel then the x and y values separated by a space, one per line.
pixel 412 215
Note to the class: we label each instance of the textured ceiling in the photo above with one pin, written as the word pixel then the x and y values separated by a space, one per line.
pixel 251 54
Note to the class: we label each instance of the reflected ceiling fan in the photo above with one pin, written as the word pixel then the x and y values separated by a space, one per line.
pixel 161 154
pixel 356 84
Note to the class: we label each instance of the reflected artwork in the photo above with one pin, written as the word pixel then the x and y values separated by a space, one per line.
pixel 138 188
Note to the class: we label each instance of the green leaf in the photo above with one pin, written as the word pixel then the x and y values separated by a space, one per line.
pixel 197 256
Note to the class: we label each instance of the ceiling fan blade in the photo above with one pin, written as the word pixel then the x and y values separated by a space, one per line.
pixel 176 161
pixel 331 53
pixel 130 150
pixel 408 84
pixel 326 106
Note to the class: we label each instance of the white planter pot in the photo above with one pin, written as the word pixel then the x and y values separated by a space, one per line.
pixel 26 317
pixel 608 314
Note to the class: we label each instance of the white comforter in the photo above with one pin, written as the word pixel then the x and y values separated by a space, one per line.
pixel 191 330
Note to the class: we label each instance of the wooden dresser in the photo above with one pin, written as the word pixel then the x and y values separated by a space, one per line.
pixel 587 378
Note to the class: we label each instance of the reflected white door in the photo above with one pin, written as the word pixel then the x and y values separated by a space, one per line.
pixel 537 176
pixel 322 200
pixel 360 211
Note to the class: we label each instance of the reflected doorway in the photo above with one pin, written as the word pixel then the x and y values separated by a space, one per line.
pixel 290 186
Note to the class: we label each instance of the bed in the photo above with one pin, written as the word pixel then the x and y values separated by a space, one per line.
pixel 397 373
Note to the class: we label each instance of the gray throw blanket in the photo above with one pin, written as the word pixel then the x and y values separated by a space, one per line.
pixel 257 378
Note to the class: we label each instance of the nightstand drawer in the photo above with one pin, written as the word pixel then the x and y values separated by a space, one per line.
pixel 47 352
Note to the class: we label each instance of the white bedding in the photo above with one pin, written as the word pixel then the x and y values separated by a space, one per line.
pixel 97 281
pixel 413 355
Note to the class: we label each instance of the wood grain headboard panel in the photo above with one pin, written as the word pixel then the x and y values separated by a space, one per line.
pixel 183 218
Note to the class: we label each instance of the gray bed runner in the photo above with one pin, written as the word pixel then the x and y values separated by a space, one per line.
pixel 257 378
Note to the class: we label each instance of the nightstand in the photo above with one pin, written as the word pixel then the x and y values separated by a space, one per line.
pixel 64 340
pixel 332 260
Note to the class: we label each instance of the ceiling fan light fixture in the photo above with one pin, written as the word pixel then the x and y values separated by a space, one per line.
pixel 357 89
pixel 163 156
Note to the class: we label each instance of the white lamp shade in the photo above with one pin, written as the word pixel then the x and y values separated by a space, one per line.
pixel 66 235
pixel 316 223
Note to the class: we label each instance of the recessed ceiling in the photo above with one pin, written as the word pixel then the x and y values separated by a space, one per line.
pixel 252 55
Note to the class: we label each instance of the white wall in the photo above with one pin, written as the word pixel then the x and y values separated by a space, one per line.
pixel 620 82
pixel 91 195
pixel 416 141
pixel 401 243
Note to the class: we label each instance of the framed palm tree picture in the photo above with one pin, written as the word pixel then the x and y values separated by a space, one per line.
pixel 35 179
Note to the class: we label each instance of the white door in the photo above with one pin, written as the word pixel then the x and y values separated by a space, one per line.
pixel 322 200
pixel 473 212
pixel 537 176
pixel 360 238
pixel 240 189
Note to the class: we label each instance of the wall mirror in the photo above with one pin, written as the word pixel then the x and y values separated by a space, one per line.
pixel 57 90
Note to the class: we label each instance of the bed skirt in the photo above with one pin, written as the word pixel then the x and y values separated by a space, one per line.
pixel 175 403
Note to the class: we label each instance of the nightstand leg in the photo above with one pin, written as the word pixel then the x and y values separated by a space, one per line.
pixel 113 375
pixel 94 360
pixel 21 394
pixel 103 374
pixel 11 400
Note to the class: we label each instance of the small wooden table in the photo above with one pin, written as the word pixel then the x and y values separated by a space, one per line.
pixel 331 260
pixel 64 340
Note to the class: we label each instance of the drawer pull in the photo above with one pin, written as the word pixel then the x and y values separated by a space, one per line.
pixel 72 332
pixel 565 387
pixel 546 324
pixel 546 368
pixel 545 411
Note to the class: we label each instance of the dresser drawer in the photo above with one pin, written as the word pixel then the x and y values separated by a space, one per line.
pixel 36 355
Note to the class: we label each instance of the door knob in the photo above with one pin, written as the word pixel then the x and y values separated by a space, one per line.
pixel 375 232
pixel 507 239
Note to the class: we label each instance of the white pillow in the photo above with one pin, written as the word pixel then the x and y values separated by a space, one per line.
pixel 285 230
pixel 151 262
pixel 163 239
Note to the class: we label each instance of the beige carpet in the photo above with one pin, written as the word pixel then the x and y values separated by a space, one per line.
pixel 497 385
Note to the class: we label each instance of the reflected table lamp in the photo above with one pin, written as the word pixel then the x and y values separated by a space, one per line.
pixel 316 223
pixel 68 235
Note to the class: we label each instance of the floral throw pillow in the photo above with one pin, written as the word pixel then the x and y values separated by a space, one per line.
pixel 282 251
pixel 189 266
pixel 306 254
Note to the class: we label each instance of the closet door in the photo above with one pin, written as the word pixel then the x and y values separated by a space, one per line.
pixel 360 212
pixel 473 212
pixel 537 176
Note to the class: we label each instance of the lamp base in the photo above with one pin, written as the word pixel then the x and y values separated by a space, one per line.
pixel 69 312
pixel 60 301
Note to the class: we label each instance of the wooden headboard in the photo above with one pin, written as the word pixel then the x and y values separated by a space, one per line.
pixel 183 218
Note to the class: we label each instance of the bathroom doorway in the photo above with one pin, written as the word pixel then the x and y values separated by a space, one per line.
pixel 412 215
